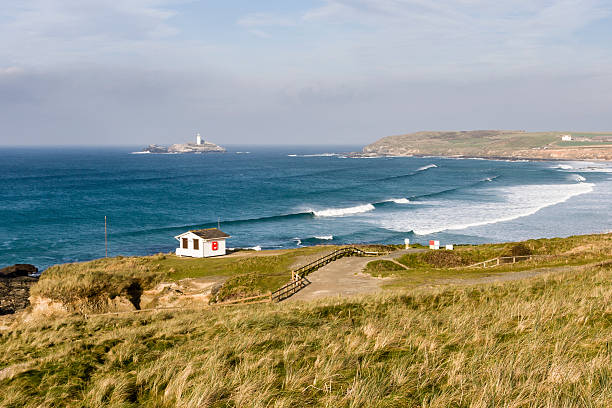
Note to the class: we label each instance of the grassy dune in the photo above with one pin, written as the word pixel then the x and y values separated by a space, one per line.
pixel 541 342
pixel 87 285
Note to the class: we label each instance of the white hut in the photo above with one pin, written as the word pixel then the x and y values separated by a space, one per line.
pixel 202 243
pixel 566 138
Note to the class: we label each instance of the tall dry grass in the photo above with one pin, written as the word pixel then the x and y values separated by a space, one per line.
pixel 543 342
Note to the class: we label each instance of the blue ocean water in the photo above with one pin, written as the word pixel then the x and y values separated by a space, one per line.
pixel 53 200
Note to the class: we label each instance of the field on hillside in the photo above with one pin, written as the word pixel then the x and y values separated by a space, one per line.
pixel 540 342
pixel 489 143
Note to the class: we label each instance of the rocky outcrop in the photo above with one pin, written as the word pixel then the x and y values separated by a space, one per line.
pixel 18 270
pixel 205 147
pixel 15 284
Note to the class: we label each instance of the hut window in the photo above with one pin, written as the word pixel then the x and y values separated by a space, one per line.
pixel 185 243
pixel 196 244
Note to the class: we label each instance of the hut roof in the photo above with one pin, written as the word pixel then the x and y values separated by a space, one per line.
pixel 210 233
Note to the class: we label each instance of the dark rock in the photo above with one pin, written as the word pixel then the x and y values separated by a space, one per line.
pixel 156 149
pixel 14 293
pixel 18 270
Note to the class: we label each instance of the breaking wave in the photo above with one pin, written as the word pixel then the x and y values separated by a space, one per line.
pixel 340 212
pixel 314 155
pixel 398 201
pixel 312 240
pixel 324 237
pixel 429 166
pixel 563 167
pixel 414 173
pixel 422 200
pixel 514 202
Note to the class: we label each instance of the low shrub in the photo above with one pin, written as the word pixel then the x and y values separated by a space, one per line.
pixel 382 268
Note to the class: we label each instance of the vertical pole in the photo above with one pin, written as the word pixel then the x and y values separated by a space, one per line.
pixel 105 240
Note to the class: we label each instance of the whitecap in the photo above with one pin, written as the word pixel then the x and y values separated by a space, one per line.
pixel 509 203
pixel 429 166
pixel 577 177
pixel 314 155
pixel 340 212
pixel 324 237
pixel 398 201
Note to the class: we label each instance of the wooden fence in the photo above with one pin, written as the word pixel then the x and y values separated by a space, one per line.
pixel 489 263
pixel 298 276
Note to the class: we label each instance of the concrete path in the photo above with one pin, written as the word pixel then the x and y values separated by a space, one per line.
pixel 344 278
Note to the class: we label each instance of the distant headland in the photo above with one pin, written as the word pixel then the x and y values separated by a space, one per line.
pixel 492 144
pixel 200 146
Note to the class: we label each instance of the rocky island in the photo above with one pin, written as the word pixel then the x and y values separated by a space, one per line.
pixel 200 146
pixel 492 144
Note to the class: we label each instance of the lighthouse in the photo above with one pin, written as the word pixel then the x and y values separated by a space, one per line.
pixel 198 139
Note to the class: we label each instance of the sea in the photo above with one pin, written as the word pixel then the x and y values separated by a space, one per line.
pixel 53 201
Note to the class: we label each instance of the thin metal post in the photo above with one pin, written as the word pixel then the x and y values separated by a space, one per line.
pixel 105 240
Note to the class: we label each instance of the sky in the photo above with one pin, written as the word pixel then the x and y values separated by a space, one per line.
pixel 134 72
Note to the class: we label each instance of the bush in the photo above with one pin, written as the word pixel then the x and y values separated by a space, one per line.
pixel 520 250
pixel 444 259
pixel 382 268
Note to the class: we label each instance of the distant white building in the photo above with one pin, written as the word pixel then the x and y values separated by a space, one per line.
pixel 198 139
pixel 566 138
pixel 202 243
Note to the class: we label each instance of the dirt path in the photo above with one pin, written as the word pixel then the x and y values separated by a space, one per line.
pixel 344 278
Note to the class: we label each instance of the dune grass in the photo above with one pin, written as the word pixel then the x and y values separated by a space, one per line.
pixel 433 266
pixel 543 342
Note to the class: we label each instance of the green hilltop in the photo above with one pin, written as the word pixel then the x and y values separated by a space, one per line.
pixel 497 143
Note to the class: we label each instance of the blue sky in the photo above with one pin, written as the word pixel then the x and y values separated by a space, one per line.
pixel 300 72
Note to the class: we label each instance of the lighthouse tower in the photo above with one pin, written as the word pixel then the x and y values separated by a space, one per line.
pixel 198 139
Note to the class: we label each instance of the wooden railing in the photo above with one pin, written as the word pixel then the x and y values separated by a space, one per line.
pixel 340 253
pixel 489 263
pixel 289 289
pixel 298 276
pixel 252 299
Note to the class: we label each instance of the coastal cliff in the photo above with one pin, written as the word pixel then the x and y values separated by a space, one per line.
pixel 510 144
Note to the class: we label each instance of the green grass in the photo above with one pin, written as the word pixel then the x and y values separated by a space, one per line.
pixel 542 342
pixel 432 266
pixel 382 268
pixel 585 143
pixel 478 143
